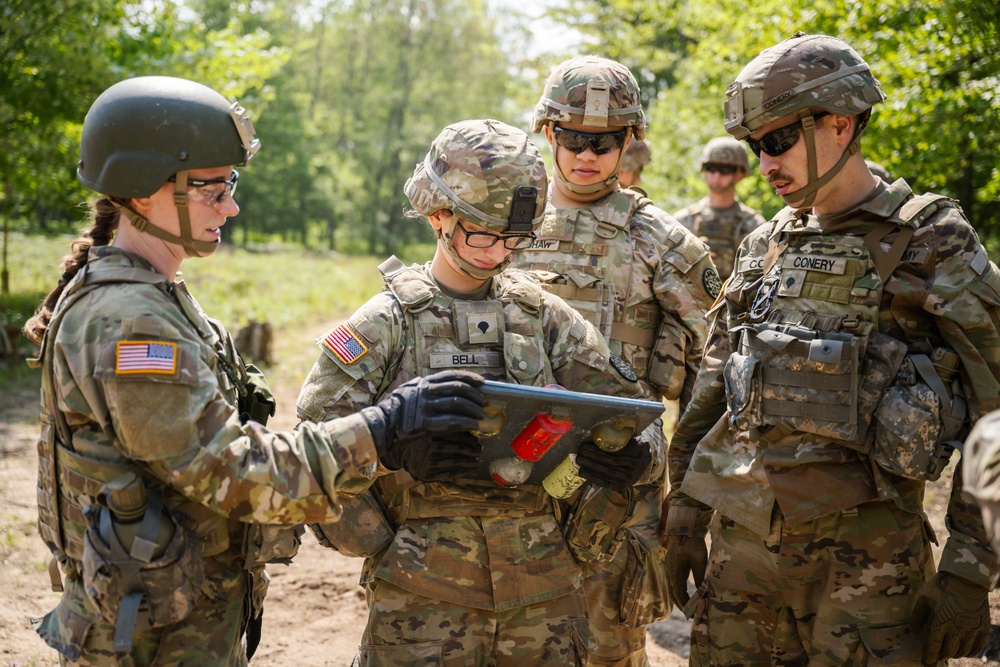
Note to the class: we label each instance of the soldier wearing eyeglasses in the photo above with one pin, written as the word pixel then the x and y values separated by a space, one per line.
pixel 161 493
pixel 460 569
pixel 645 281
pixel 720 219
pixel 855 345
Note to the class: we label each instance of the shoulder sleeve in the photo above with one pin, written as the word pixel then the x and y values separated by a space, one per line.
pixel 354 360
pixel 686 284
pixel 579 355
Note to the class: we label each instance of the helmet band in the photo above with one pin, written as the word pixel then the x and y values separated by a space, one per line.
pixel 464 207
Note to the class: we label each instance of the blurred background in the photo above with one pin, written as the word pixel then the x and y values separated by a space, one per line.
pixel 346 95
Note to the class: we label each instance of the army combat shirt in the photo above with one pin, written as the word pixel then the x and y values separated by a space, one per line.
pixel 468 542
pixel 944 292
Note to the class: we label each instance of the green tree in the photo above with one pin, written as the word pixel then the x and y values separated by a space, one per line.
pixel 937 61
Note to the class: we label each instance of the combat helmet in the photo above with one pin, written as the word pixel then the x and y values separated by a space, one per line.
pixel 142 131
pixel 484 171
pixel 725 150
pixel 802 76
pixel 593 91
pixel 637 155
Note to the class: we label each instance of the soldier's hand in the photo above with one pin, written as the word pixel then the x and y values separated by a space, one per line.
pixel 953 615
pixel 447 402
pixel 443 458
pixel 613 470
pixel 686 554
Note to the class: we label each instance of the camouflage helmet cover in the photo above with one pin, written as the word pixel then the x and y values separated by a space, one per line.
pixel 141 131
pixel 725 150
pixel 593 91
pixel 801 73
pixel 481 170
pixel 637 155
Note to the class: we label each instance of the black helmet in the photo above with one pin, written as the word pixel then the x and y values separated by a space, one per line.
pixel 142 131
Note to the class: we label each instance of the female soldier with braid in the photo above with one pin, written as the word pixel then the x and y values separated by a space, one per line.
pixel 155 485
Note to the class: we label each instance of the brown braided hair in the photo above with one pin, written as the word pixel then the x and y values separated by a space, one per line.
pixel 104 213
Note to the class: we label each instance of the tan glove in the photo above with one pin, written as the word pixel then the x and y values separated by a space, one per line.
pixel 686 554
pixel 683 531
pixel 953 614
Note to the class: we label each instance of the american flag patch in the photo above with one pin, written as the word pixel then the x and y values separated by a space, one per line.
pixel 145 356
pixel 345 344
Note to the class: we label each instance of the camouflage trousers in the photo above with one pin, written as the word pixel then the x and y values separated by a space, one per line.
pixel 212 634
pixel 408 629
pixel 627 593
pixel 837 590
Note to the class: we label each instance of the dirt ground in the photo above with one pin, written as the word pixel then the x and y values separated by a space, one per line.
pixel 315 610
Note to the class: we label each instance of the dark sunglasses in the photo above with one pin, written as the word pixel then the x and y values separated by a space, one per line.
pixel 724 169
pixel 577 142
pixel 776 142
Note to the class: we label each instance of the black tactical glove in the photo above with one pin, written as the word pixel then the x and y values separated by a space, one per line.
pixel 444 458
pixel 405 423
pixel 617 471
pixel 954 616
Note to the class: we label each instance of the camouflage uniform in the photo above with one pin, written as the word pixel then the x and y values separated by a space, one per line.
pixel 181 432
pixel 645 282
pixel 722 229
pixel 979 463
pixel 814 470
pixel 464 571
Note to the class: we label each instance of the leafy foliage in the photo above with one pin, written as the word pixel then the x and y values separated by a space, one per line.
pixel 347 94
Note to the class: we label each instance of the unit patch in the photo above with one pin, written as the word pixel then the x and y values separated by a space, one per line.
pixel 345 344
pixel 145 357
pixel 712 283
pixel 623 368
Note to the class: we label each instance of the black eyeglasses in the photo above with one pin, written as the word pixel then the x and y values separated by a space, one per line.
pixel 487 240
pixel 776 142
pixel 214 191
pixel 724 169
pixel 577 142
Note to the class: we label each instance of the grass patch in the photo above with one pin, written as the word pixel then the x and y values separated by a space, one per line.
pixel 285 285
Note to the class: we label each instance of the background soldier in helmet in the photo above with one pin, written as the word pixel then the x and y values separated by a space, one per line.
pixel 637 156
pixel 720 219
pixel 855 343
pixel 462 570
pixel 155 469
pixel 646 283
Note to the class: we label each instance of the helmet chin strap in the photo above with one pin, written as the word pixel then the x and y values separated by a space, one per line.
pixel 594 191
pixel 446 239
pixel 811 188
pixel 192 247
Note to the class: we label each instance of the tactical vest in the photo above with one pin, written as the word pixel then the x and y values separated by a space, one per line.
pixel 809 357
pixel 501 338
pixel 720 232
pixel 73 471
pixel 588 263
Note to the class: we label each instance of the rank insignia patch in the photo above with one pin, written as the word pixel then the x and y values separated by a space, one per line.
pixel 144 357
pixel 345 344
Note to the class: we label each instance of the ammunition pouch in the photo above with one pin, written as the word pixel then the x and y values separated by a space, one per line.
pixel 918 421
pixel 149 586
pixel 258 403
pixel 265 544
pixel 787 378
pixel 363 531
pixel 596 526
pixel 645 598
